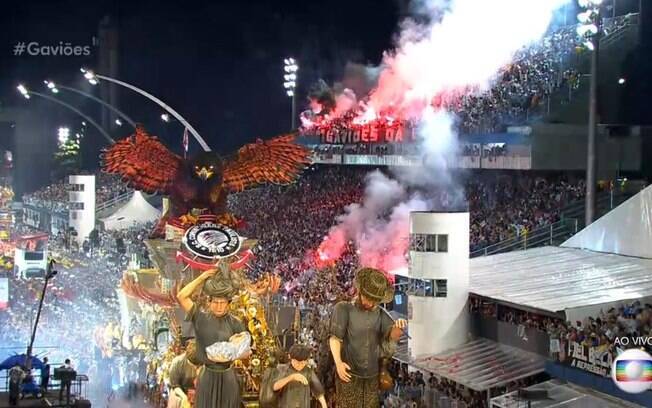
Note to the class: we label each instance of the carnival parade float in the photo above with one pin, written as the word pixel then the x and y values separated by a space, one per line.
pixel 196 234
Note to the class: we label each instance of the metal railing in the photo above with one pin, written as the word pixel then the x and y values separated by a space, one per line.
pixel 571 221
pixel 119 199
pixel 604 202
pixel 552 234
pixel 622 25
pixel 78 387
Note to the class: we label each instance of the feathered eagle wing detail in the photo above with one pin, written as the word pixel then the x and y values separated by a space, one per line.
pixel 143 162
pixel 277 161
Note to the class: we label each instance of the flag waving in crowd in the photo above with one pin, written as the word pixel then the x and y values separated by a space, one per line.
pixel 185 142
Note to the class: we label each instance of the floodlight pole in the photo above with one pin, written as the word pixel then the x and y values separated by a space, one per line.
pixel 77 111
pixel 49 274
pixel 293 122
pixel 591 180
pixel 101 102
pixel 163 105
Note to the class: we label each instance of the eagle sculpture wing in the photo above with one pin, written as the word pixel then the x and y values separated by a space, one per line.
pixel 278 161
pixel 143 162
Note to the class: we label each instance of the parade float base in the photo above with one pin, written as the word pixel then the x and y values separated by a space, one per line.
pixel 250 400
pixel 50 399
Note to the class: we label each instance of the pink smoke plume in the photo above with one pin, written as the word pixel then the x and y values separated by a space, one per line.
pixel 380 242
pixel 460 51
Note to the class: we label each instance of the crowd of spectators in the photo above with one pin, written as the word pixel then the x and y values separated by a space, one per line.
pixel 416 389
pixel 81 298
pixel 522 87
pixel 629 320
pixel 516 94
pixel 54 197
pixel 504 207
pixel 535 73
pixel 471 149
pixel 290 222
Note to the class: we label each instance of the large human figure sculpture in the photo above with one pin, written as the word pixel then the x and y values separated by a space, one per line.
pixel 182 376
pixel 296 383
pixel 361 334
pixel 217 384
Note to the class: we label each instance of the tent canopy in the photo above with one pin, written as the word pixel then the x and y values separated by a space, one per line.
pixel 20 360
pixel 561 394
pixel 625 230
pixel 136 211
pixel 482 364
pixel 557 279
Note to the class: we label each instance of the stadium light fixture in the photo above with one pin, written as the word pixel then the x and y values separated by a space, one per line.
pixel 51 86
pixel 590 29
pixel 585 17
pixel 290 77
pixel 23 91
pixel 54 88
pixel 90 76
pixel 63 134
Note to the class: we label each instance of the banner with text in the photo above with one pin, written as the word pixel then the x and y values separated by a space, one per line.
pixel 596 360
pixel 372 133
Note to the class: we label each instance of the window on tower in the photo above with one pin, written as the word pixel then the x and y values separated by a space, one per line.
pixel 442 243
pixel 441 288
pixel 429 242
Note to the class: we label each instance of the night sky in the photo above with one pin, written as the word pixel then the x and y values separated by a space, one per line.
pixel 219 63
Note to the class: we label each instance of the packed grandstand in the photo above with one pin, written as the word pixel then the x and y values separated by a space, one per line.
pixel 116 330
pixel 290 221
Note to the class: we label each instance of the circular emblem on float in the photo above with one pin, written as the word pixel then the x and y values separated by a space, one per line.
pixel 211 241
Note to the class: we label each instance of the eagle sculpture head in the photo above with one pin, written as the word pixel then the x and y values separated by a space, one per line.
pixel 207 167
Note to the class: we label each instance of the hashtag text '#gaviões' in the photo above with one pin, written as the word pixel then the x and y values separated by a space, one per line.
pixel 19 48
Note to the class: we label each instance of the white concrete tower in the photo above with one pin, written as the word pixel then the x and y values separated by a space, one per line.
pixel 82 205
pixel 439 281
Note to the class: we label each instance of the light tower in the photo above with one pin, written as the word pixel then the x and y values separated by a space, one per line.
pixel 590 28
pixel 81 214
pixel 439 281
pixel 290 69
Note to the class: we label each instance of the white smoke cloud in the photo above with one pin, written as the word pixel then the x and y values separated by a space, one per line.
pixel 465 48
pixel 462 46
pixel 344 102
pixel 438 148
